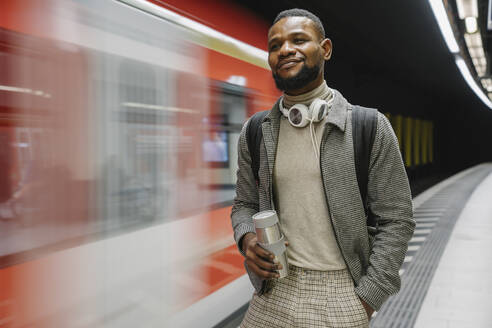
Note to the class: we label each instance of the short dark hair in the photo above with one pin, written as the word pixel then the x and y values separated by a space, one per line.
pixel 296 12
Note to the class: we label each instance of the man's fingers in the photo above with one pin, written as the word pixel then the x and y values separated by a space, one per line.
pixel 260 272
pixel 261 261
pixel 265 262
pixel 265 265
pixel 257 251
pixel 263 253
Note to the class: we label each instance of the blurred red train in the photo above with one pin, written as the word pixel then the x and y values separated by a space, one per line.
pixel 119 123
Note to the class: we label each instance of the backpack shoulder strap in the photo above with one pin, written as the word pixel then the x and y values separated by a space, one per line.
pixel 254 134
pixel 364 125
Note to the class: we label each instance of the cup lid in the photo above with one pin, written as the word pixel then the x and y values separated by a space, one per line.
pixel 265 219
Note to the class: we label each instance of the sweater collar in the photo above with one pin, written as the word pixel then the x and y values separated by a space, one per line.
pixel 322 92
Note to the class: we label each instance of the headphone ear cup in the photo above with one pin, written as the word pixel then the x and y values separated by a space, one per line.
pixel 318 109
pixel 298 115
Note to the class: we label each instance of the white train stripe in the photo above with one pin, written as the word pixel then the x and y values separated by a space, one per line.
pixel 417 239
pixel 422 231
pixel 424 215
pixel 425 225
pixel 412 248
pixel 206 36
pixel 430 219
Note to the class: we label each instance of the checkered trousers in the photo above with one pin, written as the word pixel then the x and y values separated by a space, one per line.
pixel 306 299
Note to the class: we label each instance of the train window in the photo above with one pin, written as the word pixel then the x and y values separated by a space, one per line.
pixel 215 145
pixel 136 139
pixel 5 167
pixel 222 128
pixel 24 150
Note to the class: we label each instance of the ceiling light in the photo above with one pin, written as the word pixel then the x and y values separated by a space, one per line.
pixel 467 8
pixel 476 62
pixel 471 82
pixel 442 19
pixel 478 54
pixel 487 84
pixel 473 40
pixel 471 24
pixel 473 52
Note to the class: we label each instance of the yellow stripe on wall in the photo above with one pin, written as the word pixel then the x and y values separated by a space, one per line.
pixel 431 142
pixel 416 141
pixel 408 141
pixel 425 141
pixel 398 127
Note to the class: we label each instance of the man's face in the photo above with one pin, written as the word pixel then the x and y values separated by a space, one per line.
pixel 296 53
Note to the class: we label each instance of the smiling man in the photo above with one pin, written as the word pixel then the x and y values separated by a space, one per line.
pixel 340 268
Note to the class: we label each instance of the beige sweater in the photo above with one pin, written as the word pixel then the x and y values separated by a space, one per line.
pixel 300 199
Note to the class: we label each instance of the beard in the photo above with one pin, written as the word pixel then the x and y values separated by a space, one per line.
pixel 303 77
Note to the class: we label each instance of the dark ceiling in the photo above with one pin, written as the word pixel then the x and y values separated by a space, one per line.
pixel 391 55
pixel 398 41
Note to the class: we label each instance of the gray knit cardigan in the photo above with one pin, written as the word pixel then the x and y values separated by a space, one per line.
pixel 372 257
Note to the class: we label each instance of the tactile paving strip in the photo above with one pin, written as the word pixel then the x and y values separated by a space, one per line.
pixel 426 248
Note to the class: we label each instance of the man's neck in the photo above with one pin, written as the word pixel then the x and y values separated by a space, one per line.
pixel 307 88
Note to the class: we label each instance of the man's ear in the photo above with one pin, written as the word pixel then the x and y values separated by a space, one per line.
pixel 327 48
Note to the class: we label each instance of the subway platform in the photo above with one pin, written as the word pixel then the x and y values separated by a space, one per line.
pixel 446 273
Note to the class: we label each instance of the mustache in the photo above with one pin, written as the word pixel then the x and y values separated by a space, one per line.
pixel 286 60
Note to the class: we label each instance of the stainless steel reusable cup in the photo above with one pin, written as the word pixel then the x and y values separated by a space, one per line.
pixel 270 237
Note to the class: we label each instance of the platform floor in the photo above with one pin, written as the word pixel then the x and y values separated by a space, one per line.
pixel 447 270
pixel 460 294
pixel 445 261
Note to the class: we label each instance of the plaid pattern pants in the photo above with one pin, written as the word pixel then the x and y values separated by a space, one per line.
pixel 308 298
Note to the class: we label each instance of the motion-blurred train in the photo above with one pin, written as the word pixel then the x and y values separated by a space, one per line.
pixel 119 123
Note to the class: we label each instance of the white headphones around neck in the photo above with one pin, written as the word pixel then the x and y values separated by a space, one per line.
pixel 300 115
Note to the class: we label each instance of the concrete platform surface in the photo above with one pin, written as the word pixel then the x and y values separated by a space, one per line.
pixel 460 294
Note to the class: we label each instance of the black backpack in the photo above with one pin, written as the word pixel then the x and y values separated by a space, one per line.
pixel 364 124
